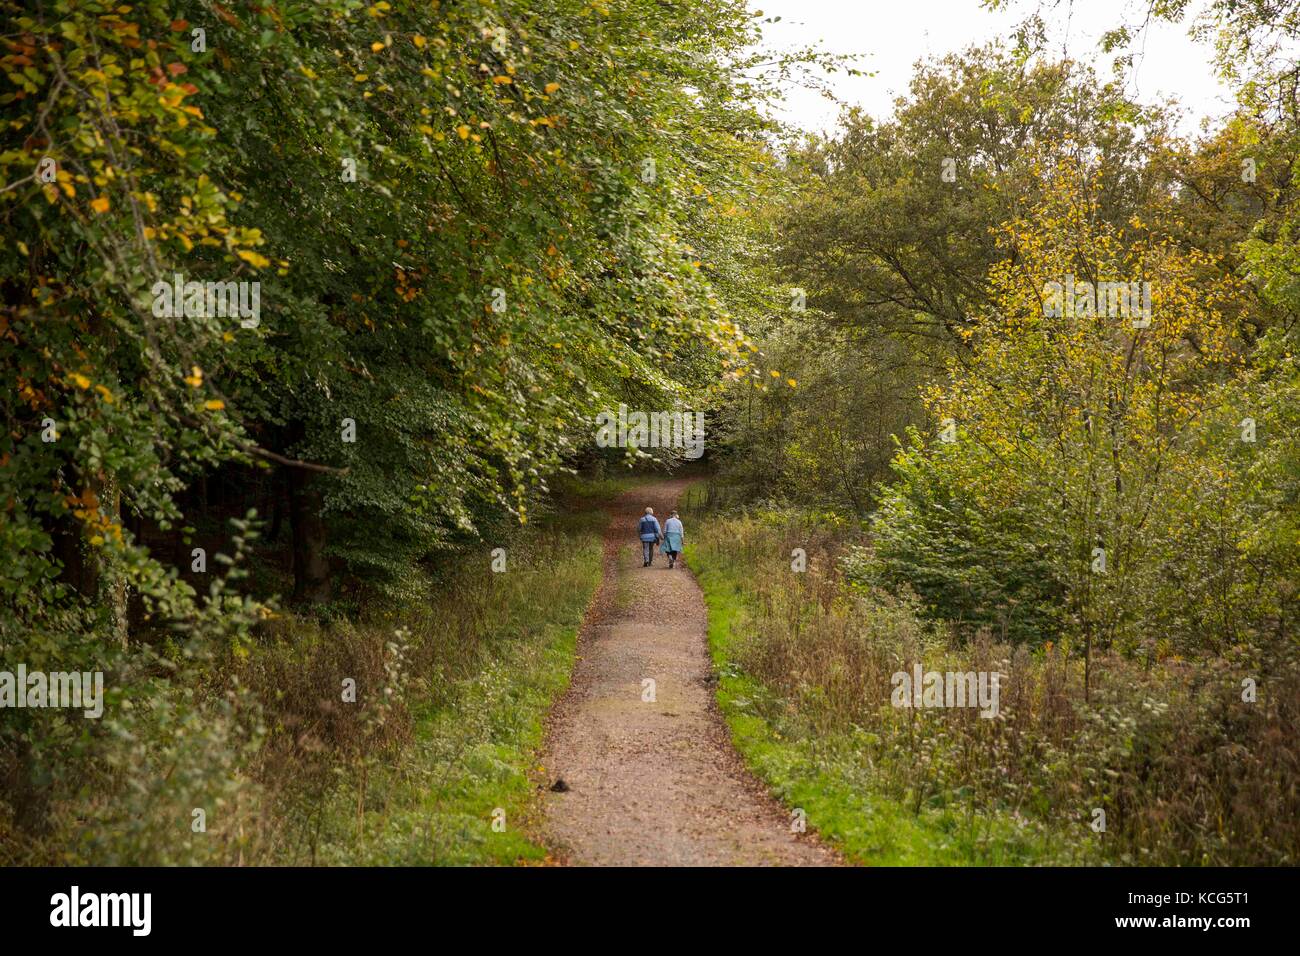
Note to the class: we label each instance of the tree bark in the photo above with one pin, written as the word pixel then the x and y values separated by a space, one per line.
pixel 110 582
pixel 311 572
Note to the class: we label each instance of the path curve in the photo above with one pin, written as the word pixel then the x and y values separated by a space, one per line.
pixel 654 783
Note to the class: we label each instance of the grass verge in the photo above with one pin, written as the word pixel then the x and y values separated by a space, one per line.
pixel 827 773
pixel 461 790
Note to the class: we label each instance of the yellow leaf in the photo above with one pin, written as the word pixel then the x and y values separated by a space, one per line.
pixel 502 80
pixel 100 204
pixel 376 46
pixel 80 380
pixel 214 404
pixel 418 41
pixel 551 87
pixel 255 259
pixel 195 378
pixel 462 131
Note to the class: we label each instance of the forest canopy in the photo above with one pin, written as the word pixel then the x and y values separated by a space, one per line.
pixel 306 302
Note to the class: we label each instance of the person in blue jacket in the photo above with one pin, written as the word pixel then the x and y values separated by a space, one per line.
pixel 673 535
pixel 648 530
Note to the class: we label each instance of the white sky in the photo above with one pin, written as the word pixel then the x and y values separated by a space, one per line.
pixel 894 34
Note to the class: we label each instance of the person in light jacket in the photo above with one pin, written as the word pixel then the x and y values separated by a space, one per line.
pixel 648 529
pixel 674 534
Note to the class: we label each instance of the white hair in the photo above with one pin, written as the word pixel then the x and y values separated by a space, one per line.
pixel 649 511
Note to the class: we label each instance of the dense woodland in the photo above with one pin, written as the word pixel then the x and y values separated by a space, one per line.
pixel 1104 504
pixel 475 225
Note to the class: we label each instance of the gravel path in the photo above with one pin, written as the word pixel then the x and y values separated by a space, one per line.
pixel 654 783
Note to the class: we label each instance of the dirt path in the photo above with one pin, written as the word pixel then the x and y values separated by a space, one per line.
pixel 654 783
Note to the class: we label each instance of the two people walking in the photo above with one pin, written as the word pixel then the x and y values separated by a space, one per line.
pixel 671 535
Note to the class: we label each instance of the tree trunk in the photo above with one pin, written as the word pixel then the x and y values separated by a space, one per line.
pixel 85 567
pixel 311 580
pixel 109 581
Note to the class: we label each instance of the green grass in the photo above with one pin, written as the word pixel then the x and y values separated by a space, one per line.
pixel 577 491
pixel 476 750
pixel 822 775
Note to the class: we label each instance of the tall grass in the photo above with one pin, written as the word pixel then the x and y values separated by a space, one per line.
pixel 485 659
pixel 450 694
pixel 1184 770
